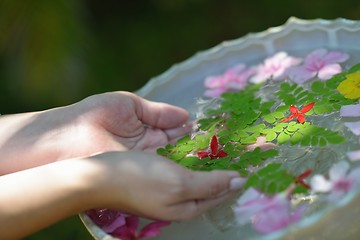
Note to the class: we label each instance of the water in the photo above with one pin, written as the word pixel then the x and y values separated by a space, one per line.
pixel 219 223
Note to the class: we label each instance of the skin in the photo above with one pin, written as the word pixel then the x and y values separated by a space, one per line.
pixel 98 153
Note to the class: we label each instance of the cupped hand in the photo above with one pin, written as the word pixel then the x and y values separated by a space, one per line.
pixel 114 121
pixel 148 185
pixel 123 121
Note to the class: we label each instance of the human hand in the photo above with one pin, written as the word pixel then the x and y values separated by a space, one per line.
pixel 134 182
pixel 151 186
pixel 114 121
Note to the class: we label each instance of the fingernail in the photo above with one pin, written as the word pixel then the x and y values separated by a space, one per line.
pixel 237 183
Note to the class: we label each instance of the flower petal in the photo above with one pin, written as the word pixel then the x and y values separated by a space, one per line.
pixel 214 144
pixel 153 229
pixel 289 118
pixel 350 110
pixel 335 57
pixel 249 195
pixel 354 127
pixel 314 57
pixel 354 175
pixel 261 143
pixel 221 154
pixel 353 155
pixel 328 71
pixel 119 222
pixel 301 117
pixel 307 107
pixel 215 93
pixel 318 183
pixel 203 154
pixel 300 74
pixel 338 171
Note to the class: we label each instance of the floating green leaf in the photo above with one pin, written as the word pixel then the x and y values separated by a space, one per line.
pixel 271 179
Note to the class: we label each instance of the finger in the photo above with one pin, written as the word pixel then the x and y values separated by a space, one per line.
pixel 159 115
pixel 191 209
pixel 174 134
pixel 207 185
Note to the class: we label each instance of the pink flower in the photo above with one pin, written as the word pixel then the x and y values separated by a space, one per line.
pixel 340 180
pixel 350 110
pixel 234 78
pixel 353 155
pixel 267 213
pixel 261 143
pixel 129 231
pixel 274 67
pixel 123 225
pixel 354 127
pixel 107 219
pixel 320 62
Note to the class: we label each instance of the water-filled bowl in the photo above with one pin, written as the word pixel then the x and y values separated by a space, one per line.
pixel 183 83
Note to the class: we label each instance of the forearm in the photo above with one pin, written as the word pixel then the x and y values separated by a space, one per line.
pixel 32 139
pixel 33 199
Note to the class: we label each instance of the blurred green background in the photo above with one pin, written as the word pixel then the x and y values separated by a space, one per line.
pixel 56 52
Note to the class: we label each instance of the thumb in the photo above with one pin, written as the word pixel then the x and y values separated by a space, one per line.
pixel 207 185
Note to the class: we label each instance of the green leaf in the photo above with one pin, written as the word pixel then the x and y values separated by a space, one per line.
pixel 305 140
pixel 296 138
pixel 314 141
pixel 283 137
pixel 318 86
pixel 354 68
pixel 278 114
pixel 270 136
pixel 335 139
pixel 162 151
pixel 322 142
pixel 269 153
pixel 189 161
pixel 271 179
pixel 269 118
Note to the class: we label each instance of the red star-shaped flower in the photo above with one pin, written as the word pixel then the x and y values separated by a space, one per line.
pixel 299 114
pixel 214 151
pixel 300 179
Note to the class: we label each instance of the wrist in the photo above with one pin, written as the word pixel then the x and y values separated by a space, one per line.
pixel 35 138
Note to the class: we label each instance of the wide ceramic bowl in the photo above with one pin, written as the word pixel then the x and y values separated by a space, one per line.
pixel 183 83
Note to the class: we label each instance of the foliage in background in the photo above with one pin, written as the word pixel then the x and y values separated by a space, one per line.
pixel 57 52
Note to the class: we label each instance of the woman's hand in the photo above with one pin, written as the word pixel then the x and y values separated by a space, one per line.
pixel 115 121
pixel 135 182
pixel 152 186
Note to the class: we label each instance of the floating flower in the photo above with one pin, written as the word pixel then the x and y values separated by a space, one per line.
pixel 300 179
pixel 299 114
pixel 233 78
pixel 354 127
pixel 274 67
pixel 261 143
pixel 214 150
pixel 350 110
pixel 107 219
pixel 123 225
pixel 340 180
pixel 350 87
pixel 320 62
pixel 353 155
pixel 129 230
pixel 266 213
